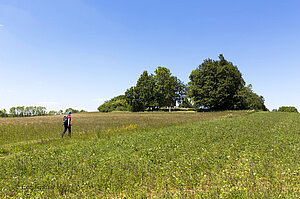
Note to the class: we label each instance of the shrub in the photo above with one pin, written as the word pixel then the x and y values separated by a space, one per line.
pixel 71 110
pixel 288 109
pixel 118 103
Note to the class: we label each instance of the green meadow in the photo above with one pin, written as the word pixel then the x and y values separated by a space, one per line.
pixel 227 154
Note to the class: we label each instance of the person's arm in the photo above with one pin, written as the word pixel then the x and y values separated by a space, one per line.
pixel 68 121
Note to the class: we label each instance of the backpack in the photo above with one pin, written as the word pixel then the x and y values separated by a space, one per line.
pixel 65 120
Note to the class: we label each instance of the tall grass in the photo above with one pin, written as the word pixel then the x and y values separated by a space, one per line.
pixel 15 131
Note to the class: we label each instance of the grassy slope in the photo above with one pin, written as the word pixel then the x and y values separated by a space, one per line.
pixel 20 131
pixel 251 156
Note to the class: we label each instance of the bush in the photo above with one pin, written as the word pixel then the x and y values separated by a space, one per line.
pixel 288 109
pixel 118 103
pixel 3 113
pixel 72 110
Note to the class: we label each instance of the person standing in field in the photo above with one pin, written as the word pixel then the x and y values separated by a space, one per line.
pixel 67 124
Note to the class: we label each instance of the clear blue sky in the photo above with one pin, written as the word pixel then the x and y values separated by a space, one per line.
pixel 78 53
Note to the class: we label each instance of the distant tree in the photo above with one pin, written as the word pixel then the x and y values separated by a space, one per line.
pixel 168 89
pixel 154 91
pixel 72 110
pixel 20 111
pixel 27 111
pixel 52 112
pixel 218 85
pixel 215 84
pixel 133 99
pixel 13 111
pixel 118 103
pixel 288 109
pixel 34 110
pixel 247 99
pixel 82 111
pixel 40 110
pixel 142 96
pixel 180 91
pixel 186 103
pixel 30 110
pixel 60 112
pixel 3 113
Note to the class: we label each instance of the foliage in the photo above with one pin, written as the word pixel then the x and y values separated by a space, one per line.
pixel 53 113
pixel 142 96
pixel 22 111
pixel 72 110
pixel 3 113
pixel 155 91
pixel 288 109
pixel 218 85
pixel 118 103
pixel 169 89
pixel 186 103
pixel 250 100
pixel 215 84
pixel 254 156
pixel 57 112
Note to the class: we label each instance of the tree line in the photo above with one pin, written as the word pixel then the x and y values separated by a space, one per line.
pixel 23 111
pixel 213 85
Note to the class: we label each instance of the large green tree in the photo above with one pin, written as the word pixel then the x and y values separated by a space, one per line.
pixel 142 96
pixel 219 85
pixel 154 91
pixel 168 88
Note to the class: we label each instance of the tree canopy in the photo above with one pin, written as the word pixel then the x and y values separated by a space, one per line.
pixel 21 111
pixel 214 85
pixel 118 103
pixel 288 109
pixel 142 95
pixel 154 91
pixel 218 85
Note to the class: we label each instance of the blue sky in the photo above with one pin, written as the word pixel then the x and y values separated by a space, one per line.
pixel 78 53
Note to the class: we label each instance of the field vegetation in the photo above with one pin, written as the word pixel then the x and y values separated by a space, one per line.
pixel 147 155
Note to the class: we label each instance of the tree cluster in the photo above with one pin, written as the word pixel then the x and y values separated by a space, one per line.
pixel 22 111
pixel 154 91
pixel 214 85
pixel 74 110
pixel 56 112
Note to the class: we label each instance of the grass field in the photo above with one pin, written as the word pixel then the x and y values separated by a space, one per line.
pixel 150 155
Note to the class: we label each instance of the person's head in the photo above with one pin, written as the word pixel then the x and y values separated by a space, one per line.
pixel 69 113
